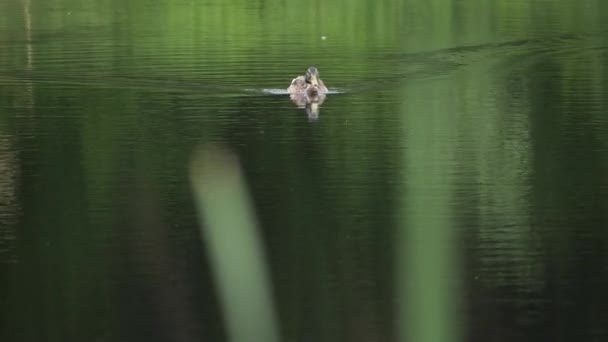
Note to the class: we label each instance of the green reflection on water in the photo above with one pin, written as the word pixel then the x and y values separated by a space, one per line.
pixel 531 135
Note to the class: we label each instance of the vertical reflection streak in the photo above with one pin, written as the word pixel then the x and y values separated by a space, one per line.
pixel 8 200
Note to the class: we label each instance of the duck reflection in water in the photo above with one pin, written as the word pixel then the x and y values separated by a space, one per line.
pixel 308 92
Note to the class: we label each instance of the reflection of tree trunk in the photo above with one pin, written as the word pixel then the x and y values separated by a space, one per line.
pixel 8 160
pixel 28 33
pixel 8 203
pixel 160 293
pixel 28 92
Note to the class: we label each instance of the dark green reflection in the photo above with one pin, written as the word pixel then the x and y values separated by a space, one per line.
pixel 472 134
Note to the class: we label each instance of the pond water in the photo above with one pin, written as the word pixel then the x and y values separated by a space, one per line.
pixel 455 180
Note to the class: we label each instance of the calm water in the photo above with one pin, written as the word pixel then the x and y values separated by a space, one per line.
pixel 468 143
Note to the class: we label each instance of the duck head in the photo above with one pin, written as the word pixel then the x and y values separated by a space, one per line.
pixel 312 76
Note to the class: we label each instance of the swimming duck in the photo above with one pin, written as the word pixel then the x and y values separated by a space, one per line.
pixel 309 84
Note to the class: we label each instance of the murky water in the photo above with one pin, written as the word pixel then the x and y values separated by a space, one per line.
pixel 478 127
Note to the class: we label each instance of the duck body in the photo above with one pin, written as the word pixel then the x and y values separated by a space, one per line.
pixel 309 84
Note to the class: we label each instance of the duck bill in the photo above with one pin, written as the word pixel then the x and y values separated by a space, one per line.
pixel 314 81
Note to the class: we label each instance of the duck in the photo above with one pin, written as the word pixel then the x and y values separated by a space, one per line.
pixel 309 84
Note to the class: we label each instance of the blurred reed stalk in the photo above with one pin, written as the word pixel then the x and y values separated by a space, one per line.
pixel 234 246
pixel 428 261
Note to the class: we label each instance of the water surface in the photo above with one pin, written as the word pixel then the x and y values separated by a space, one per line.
pixel 485 124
